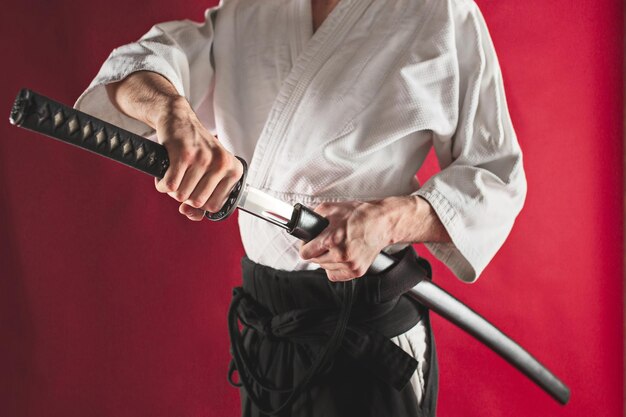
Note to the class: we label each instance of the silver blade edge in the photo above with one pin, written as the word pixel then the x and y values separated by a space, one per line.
pixel 265 206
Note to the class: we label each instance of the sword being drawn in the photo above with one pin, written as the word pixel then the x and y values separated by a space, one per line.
pixel 41 114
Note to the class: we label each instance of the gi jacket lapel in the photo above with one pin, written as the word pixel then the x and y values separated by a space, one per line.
pixel 310 52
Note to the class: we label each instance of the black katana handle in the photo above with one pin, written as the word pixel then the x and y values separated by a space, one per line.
pixel 44 115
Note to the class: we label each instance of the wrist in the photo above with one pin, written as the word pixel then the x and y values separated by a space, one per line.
pixel 411 219
pixel 146 96
pixel 166 108
pixel 401 217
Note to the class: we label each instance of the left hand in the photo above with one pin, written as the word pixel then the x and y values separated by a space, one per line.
pixel 356 234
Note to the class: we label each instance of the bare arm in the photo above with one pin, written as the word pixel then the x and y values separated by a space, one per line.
pixel 144 96
pixel 201 172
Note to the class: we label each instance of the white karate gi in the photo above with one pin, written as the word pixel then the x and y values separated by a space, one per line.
pixel 349 112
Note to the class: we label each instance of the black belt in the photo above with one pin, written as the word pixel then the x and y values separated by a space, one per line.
pixel 305 308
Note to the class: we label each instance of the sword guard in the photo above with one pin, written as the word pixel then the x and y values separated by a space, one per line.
pixel 233 199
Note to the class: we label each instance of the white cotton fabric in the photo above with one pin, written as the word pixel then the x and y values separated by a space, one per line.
pixel 415 342
pixel 349 112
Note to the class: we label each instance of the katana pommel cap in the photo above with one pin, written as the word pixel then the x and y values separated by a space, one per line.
pixel 19 107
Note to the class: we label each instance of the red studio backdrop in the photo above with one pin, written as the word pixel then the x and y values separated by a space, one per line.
pixel 113 304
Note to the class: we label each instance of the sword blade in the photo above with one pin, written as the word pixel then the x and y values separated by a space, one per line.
pixel 266 207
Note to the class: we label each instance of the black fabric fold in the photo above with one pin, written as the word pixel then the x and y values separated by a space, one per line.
pixel 311 347
pixel 367 347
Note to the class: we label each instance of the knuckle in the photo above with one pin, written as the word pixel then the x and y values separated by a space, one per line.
pixel 170 186
pixel 202 159
pixel 223 166
pixel 326 241
pixel 359 271
pixel 166 186
pixel 237 170
pixel 179 196
pixel 212 156
pixel 305 253
pixel 337 238
pixel 196 202
pixel 186 155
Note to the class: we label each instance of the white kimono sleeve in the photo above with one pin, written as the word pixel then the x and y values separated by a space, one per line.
pixel 181 51
pixel 481 187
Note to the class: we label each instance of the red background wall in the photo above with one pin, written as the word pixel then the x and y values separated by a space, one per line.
pixel 112 304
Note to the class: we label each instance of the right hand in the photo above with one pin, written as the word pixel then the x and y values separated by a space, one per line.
pixel 201 172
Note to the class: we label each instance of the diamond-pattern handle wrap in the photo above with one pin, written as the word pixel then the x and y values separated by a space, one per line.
pixel 41 114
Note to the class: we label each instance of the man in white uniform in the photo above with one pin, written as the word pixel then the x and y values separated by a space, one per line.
pixel 335 105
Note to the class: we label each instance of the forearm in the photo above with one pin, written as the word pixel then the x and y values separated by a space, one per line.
pixel 410 219
pixel 201 172
pixel 145 96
